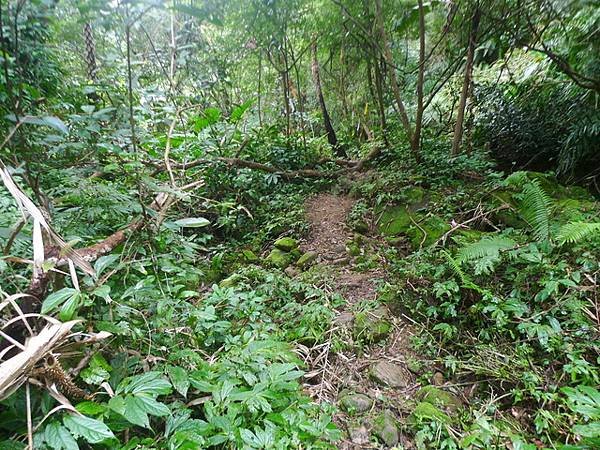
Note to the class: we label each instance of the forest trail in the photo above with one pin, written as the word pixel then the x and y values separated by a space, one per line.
pixel 370 372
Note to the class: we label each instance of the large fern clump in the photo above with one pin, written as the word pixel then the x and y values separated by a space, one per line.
pixel 574 232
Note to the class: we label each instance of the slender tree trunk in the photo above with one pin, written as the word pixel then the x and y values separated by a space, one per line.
pixel 259 93
pixel 380 104
pixel 416 142
pixel 331 136
pixel 387 53
pixel 460 116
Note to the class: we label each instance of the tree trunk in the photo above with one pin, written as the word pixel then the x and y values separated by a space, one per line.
pixel 460 117
pixel 387 53
pixel 416 141
pixel 331 136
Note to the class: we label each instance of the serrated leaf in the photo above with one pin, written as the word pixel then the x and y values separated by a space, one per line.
pixel 92 430
pixel 151 383
pixel 152 407
pixel 135 413
pixel 179 378
pixel 59 438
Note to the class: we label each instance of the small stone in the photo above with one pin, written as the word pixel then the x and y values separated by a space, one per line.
pixel 391 375
pixel 371 326
pixel 386 429
pixel 286 244
pixel 439 397
pixel 344 318
pixel 306 260
pixel 291 271
pixel 356 403
pixel 278 258
pixel 437 379
pixel 359 435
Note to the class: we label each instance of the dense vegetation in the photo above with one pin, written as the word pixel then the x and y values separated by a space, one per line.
pixel 299 224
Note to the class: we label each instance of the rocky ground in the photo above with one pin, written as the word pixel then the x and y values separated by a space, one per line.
pixel 368 367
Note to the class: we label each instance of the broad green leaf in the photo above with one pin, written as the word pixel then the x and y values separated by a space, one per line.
pixel 152 407
pixel 58 437
pixel 57 298
pixel 135 412
pixel 239 111
pixel 179 378
pixel 92 430
pixel 151 383
pixel 48 121
pixel 103 262
pixel 192 222
pixel 591 430
pixel 69 308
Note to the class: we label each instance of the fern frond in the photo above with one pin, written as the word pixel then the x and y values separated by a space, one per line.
pixel 485 247
pixel 574 232
pixel 535 208
pixel 518 178
pixel 464 278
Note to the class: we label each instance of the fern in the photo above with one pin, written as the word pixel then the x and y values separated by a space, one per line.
pixel 486 247
pixel 535 209
pixel 464 278
pixel 574 232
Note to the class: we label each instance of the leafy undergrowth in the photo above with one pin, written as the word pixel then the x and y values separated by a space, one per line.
pixel 497 276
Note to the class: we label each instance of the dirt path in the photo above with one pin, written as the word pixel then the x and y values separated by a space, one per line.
pixel 335 373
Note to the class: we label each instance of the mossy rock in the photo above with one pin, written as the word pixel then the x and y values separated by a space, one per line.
pixel 353 249
pixel 394 220
pixel 439 397
pixel 385 427
pixel 371 326
pixel 360 226
pixel 413 195
pixel 296 254
pixel 279 259
pixel 426 412
pixel 306 260
pixel 286 244
pixel 249 256
pixel 231 281
pixel 434 228
pixel 356 403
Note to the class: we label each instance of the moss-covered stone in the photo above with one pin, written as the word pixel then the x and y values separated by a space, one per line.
pixel 385 428
pixel 296 254
pixel 279 259
pixel 360 226
pixel 286 244
pixel 428 231
pixel 230 281
pixel 440 398
pixel 353 249
pixel 371 326
pixel 394 221
pixel 426 412
pixel 249 256
pixel 356 403
pixel 306 260
pixel 413 195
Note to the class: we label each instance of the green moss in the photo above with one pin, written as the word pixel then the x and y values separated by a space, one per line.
pixel 306 260
pixel 439 397
pixel 428 231
pixel 249 256
pixel 286 244
pixel 278 258
pixel 230 281
pixel 386 428
pixel 426 412
pixel 394 221
pixel 371 326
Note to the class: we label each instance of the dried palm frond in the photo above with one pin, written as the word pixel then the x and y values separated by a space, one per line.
pixel 29 209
